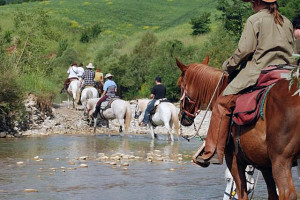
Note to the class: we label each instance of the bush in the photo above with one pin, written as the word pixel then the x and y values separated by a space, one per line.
pixel 201 24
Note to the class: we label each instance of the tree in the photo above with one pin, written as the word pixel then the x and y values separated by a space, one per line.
pixel 201 24
pixel 234 14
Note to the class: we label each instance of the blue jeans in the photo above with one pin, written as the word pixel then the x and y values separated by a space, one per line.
pixel 147 111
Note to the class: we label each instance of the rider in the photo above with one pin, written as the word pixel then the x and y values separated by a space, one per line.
pixel 296 24
pixel 80 71
pixel 87 79
pixel 73 75
pixel 109 90
pixel 98 78
pixel 158 92
pixel 267 39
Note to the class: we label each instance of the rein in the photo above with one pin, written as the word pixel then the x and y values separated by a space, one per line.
pixel 188 138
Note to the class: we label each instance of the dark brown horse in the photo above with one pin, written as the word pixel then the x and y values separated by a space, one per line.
pixel 271 145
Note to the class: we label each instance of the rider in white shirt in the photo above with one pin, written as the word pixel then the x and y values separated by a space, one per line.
pixel 73 75
pixel 80 70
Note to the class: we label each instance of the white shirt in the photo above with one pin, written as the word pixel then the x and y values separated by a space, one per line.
pixel 80 71
pixel 73 72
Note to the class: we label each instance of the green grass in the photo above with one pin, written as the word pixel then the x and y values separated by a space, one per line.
pixel 121 16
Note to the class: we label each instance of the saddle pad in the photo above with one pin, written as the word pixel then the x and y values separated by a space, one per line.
pixel 107 103
pixel 248 105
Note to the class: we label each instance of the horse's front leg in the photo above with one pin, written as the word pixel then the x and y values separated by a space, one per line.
pixel 107 127
pixel 237 170
pixel 272 194
pixel 68 101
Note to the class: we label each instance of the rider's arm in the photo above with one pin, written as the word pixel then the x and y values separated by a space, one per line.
pixel 246 47
pixel 115 90
pixel 151 96
pixel 104 93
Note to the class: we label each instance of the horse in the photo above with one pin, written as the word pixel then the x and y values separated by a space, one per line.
pixel 230 190
pixel 119 109
pixel 165 115
pixel 88 93
pixel 271 145
pixel 72 92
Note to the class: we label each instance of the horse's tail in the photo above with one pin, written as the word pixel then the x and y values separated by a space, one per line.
pixel 175 119
pixel 127 117
pixel 89 95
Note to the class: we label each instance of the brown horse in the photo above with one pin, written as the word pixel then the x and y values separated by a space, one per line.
pixel 271 145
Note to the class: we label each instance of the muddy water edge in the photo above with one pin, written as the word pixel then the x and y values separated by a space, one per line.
pixel 102 167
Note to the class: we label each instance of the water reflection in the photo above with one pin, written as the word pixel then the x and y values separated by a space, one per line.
pixel 170 179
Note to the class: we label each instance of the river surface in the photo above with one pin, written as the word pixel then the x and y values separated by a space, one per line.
pixel 55 177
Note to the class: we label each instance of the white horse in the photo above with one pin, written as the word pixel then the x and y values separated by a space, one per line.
pixel 119 110
pixel 72 92
pixel 165 115
pixel 88 93
pixel 230 191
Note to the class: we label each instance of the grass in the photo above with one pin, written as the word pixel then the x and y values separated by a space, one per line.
pixel 121 16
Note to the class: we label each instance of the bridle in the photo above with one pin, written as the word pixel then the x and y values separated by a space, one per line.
pixel 186 98
pixel 196 104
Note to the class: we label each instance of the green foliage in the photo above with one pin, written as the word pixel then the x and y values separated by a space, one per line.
pixel 234 14
pixel 2 2
pixel 289 8
pixel 90 33
pixel 201 24
pixel 62 46
pixel 7 36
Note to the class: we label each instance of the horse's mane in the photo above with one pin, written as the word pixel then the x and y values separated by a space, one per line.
pixel 201 81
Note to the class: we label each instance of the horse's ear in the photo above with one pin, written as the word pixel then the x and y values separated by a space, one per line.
pixel 206 61
pixel 181 66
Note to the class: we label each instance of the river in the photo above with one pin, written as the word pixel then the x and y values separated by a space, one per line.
pixel 56 172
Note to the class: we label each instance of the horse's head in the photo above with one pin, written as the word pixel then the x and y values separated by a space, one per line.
pixel 141 106
pixel 189 102
pixel 137 111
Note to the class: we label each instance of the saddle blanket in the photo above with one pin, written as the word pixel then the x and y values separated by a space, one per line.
pixel 107 103
pixel 249 105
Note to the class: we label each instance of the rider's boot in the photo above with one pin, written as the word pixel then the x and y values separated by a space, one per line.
pixel 97 110
pixel 217 132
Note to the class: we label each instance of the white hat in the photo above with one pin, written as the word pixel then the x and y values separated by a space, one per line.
pixel 108 75
pixel 90 65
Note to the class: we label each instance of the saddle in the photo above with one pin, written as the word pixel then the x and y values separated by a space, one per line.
pixel 157 102
pixel 107 103
pixel 249 106
pixel 152 112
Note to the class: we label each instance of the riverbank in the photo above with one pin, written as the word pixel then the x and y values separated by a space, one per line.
pixel 64 120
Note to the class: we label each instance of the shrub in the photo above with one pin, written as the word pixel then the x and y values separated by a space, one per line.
pixel 201 24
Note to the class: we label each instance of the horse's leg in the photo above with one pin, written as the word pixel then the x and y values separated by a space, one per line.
pixel 68 100
pixel 167 125
pixel 281 169
pixel 237 170
pixel 152 132
pixel 107 128
pixel 122 124
pixel 95 124
pixel 272 194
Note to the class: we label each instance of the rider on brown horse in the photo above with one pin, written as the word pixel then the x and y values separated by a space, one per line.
pixel 267 39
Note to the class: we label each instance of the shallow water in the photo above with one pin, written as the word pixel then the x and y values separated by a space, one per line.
pixel 169 179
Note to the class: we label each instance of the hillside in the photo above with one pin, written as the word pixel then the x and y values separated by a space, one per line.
pixel 120 16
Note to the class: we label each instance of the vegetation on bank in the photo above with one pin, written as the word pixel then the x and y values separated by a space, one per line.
pixel 134 40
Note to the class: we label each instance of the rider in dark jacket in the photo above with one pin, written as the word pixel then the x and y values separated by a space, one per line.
pixel 157 92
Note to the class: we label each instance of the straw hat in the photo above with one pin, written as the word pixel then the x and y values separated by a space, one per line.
pixel 108 75
pixel 90 66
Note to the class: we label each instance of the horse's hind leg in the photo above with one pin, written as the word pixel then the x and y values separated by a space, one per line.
pixel 267 174
pixel 169 132
pixel 282 174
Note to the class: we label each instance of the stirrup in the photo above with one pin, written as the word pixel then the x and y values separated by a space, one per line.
pixel 197 157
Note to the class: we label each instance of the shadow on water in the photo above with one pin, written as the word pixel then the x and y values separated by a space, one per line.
pixel 55 177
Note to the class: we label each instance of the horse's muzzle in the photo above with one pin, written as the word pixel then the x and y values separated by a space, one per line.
pixel 186 120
